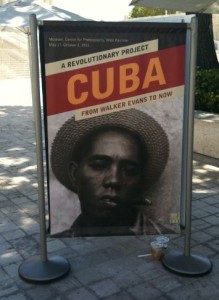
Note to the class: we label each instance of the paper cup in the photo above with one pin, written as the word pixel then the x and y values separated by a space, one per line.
pixel 157 250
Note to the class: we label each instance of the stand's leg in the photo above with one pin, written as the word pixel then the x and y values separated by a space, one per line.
pixel 36 270
pixel 191 265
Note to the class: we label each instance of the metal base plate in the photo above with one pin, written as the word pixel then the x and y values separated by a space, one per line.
pixel 192 265
pixel 35 270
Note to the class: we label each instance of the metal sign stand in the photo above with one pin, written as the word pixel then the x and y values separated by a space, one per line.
pixel 40 268
pixel 176 261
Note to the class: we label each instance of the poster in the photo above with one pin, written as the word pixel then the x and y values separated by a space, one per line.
pixel 113 99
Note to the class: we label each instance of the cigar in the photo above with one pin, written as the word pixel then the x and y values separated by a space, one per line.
pixel 144 255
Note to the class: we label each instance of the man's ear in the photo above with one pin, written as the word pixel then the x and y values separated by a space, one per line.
pixel 73 174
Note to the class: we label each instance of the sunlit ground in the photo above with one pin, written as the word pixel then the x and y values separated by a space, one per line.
pixel 19 213
pixel 205 179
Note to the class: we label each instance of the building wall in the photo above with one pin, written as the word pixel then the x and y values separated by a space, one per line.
pixel 14 58
pixel 215 19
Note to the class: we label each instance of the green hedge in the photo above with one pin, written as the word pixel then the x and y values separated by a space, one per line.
pixel 207 90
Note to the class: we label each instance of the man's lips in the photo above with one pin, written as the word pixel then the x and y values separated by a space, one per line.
pixel 109 201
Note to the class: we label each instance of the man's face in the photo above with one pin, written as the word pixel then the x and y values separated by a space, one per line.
pixel 109 178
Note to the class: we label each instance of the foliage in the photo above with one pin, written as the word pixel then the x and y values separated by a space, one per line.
pixel 207 87
pixel 207 90
pixel 138 12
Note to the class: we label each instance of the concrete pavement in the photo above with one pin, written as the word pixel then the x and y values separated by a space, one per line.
pixel 101 268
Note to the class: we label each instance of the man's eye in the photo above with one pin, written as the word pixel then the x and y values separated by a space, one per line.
pixel 98 165
pixel 130 170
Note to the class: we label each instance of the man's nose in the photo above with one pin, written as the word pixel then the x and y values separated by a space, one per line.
pixel 112 177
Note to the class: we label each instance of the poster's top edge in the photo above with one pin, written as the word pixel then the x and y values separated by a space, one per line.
pixel 123 24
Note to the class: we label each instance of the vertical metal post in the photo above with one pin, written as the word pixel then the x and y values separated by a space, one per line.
pixel 189 117
pixel 38 130
pixel 175 261
pixel 187 145
pixel 40 269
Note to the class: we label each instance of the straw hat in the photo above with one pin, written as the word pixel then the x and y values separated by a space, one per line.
pixel 139 123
